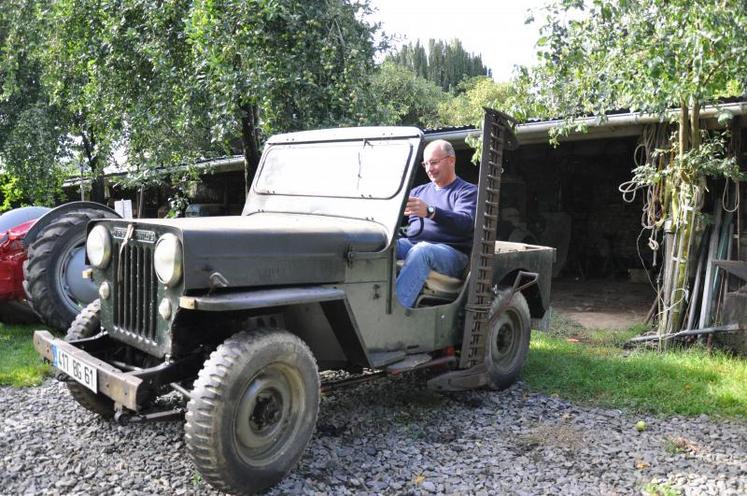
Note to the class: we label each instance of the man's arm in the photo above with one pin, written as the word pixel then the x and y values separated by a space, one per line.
pixel 460 220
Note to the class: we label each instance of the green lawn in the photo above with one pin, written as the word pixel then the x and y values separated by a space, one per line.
pixel 592 367
pixel 20 365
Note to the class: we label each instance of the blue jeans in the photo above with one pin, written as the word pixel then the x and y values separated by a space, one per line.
pixel 420 258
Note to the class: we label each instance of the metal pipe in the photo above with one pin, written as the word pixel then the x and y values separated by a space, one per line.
pixel 690 332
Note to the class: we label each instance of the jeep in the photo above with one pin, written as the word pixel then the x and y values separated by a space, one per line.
pixel 240 314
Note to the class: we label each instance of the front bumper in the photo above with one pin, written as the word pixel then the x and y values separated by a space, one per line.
pixel 122 387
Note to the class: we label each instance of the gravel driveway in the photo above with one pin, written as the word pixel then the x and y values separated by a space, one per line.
pixel 392 436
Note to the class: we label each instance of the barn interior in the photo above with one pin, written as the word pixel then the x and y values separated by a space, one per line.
pixel 566 196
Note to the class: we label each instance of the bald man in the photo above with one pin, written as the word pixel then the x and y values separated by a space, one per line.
pixel 447 207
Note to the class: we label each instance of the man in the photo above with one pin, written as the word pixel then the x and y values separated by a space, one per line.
pixel 446 205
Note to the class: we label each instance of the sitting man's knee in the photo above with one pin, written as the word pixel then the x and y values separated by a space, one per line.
pixel 422 251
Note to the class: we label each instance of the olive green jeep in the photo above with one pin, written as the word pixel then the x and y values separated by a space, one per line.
pixel 239 314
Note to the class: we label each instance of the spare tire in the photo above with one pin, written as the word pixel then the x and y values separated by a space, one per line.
pixel 52 273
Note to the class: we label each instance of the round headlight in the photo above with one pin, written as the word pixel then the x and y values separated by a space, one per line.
pixel 99 247
pixel 167 259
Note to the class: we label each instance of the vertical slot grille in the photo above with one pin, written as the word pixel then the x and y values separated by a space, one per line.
pixel 135 292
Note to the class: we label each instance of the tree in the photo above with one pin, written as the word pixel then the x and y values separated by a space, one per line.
pixel 466 108
pixel 651 56
pixel 281 66
pixel 31 146
pixel 446 63
pixel 406 98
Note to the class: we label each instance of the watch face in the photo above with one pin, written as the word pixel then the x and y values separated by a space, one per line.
pixel 431 210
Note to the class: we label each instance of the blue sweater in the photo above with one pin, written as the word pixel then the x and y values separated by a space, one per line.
pixel 454 221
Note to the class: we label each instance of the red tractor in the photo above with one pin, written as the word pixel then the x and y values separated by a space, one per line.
pixel 42 257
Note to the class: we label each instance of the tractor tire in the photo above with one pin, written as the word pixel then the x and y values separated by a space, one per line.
pixel 87 324
pixel 509 339
pixel 253 410
pixel 17 313
pixel 53 283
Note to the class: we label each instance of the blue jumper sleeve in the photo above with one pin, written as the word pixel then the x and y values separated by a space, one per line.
pixel 460 220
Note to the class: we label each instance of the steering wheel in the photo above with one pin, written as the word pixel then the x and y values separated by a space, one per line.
pixel 403 229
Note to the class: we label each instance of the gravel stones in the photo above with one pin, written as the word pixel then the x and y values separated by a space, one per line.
pixel 391 436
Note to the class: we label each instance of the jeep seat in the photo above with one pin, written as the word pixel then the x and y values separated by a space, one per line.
pixel 437 286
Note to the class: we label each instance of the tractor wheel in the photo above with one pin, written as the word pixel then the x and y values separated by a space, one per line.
pixel 509 339
pixel 253 410
pixel 52 273
pixel 17 313
pixel 86 325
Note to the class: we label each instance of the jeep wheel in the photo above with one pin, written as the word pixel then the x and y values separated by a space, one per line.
pixel 252 410
pixel 86 325
pixel 509 340
pixel 52 273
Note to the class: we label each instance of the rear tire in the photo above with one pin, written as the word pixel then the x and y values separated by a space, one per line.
pixel 253 410
pixel 509 339
pixel 87 324
pixel 53 288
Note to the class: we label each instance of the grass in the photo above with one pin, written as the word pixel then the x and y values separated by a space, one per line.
pixel 20 364
pixel 586 366
pixel 590 366
pixel 660 489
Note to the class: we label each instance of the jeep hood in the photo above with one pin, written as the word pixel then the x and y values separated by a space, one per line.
pixel 268 249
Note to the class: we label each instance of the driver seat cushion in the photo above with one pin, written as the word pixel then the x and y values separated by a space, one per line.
pixel 438 284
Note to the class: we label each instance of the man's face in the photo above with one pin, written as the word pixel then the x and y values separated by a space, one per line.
pixel 438 165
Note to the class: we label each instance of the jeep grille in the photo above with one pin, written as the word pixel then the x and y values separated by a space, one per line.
pixel 135 292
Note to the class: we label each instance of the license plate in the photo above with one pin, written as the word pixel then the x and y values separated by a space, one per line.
pixel 75 368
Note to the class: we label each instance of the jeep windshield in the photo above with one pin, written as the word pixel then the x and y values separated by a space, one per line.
pixel 364 168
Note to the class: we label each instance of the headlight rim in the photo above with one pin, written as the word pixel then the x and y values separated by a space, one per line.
pixel 106 249
pixel 176 272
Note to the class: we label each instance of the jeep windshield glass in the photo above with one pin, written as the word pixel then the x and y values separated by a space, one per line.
pixel 354 169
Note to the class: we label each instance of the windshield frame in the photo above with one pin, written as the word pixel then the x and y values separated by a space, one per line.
pixel 386 212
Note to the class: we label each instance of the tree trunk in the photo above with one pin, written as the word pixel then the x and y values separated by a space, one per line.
pixel 684 217
pixel 97 180
pixel 695 126
pixel 250 143
pixel 684 129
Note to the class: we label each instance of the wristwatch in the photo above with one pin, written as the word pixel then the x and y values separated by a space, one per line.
pixel 431 212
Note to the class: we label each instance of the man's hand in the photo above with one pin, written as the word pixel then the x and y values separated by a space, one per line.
pixel 416 206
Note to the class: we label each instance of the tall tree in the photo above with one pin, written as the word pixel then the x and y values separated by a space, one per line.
pixel 445 63
pixel 31 138
pixel 72 45
pixel 281 66
pixel 651 56
pixel 406 98
pixel 466 108
pixel 146 72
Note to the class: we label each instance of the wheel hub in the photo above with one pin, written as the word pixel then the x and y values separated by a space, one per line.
pixel 504 339
pixel 76 291
pixel 268 413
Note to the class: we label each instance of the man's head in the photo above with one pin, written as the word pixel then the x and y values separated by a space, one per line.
pixel 439 161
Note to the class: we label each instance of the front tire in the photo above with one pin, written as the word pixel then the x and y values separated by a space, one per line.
pixel 509 339
pixel 87 324
pixel 253 410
